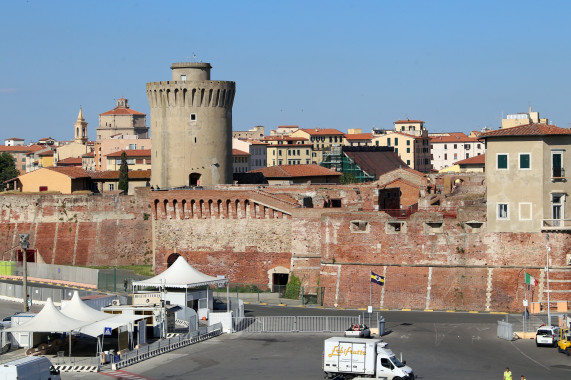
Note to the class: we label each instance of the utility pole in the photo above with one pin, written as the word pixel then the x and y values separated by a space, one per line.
pixel 24 244
pixel 547 270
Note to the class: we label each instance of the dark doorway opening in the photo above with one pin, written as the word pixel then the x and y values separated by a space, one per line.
pixel 30 256
pixel 171 259
pixel 279 282
pixel 194 179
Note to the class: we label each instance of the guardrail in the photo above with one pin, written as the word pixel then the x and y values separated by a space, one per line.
pixel 160 347
pixel 278 324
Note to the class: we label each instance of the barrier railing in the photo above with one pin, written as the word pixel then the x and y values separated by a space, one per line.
pixel 278 324
pixel 165 345
pixel 505 330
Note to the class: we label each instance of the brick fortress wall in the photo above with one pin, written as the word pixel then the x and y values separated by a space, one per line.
pixel 84 230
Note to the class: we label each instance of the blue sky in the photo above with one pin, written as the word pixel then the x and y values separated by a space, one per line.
pixel 457 65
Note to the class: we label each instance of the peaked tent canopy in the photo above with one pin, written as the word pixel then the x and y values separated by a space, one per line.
pixel 97 329
pixel 79 310
pixel 180 275
pixel 49 319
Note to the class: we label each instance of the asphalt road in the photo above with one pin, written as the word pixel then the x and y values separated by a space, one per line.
pixel 436 345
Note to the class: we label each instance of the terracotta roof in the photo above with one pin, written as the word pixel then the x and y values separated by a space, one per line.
pixel 70 161
pixel 88 155
pixel 402 134
pixel 132 153
pixel 46 153
pixel 287 146
pixel 20 149
pixel 121 111
pixel 70 171
pixel 359 136
pixel 408 121
pixel 453 137
pixel 321 132
pixel 237 152
pixel 291 171
pixel 114 174
pixel 480 159
pixel 532 129
pixel 46 138
pixel 284 138
pixel 288 126
pixel 376 162
pixel 15 139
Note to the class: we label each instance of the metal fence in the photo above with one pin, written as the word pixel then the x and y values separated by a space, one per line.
pixel 38 293
pixel 117 280
pixel 275 294
pixel 131 357
pixel 51 272
pixel 505 330
pixel 276 324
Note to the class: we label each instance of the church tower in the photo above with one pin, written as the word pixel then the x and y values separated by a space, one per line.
pixel 191 127
pixel 80 129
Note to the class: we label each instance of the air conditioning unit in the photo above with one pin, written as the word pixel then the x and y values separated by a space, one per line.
pixel 115 303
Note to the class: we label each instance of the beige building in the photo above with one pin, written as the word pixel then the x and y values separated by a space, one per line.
pixel 122 120
pixel 522 118
pixel 287 150
pixel 256 133
pixel 527 188
pixel 191 125
pixel 108 180
pixel 292 174
pixel 14 141
pixel 240 161
pixel 116 144
pixel 355 137
pixel 257 150
pixel 321 141
pixel 284 130
pixel 413 150
pixel 64 180
pixel 137 159
pixel 20 153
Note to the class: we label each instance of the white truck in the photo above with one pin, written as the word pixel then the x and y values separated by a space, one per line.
pixel 29 368
pixel 357 358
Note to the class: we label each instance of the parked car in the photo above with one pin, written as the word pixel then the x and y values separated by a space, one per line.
pixel 547 336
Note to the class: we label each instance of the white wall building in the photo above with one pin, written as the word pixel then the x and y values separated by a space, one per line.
pixel 446 149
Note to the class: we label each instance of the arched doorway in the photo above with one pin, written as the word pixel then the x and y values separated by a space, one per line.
pixel 194 179
pixel 171 259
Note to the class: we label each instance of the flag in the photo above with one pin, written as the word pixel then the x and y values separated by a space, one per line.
pixel 377 279
pixel 530 280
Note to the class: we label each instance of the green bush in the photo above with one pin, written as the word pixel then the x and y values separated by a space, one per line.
pixel 292 288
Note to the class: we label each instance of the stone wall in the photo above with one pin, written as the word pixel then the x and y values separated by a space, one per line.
pixel 82 230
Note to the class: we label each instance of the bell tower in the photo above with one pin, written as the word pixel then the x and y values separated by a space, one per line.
pixel 80 129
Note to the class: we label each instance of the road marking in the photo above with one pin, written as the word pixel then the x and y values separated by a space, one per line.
pixel 473 312
pixel 535 361
pixel 124 375
pixel 450 311
pixel 406 309
pixel 428 310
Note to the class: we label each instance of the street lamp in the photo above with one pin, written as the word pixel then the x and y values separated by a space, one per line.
pixel 24 244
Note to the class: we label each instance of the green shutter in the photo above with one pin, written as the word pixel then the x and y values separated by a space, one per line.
pixel 524 161
pixel 502 161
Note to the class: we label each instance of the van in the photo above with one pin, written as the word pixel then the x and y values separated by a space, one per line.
pixel 547 336
pixel 29 368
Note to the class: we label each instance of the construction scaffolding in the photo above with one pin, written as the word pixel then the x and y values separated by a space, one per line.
pixel 338 161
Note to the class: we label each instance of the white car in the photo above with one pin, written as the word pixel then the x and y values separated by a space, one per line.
pixel 547 336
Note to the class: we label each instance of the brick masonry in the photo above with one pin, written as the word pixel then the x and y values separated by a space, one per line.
pixel 432 260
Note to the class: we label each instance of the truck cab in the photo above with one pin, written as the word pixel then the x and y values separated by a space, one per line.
pixel 390 367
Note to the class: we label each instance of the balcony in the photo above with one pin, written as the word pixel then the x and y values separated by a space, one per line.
pixel 558 175
pixel 556 225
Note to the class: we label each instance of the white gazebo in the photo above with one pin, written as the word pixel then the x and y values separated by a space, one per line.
pixel 183 276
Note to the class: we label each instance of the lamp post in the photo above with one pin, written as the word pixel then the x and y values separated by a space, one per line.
pixel 24 244
pixel 547 271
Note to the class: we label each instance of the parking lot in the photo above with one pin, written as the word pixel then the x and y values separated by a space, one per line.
pixel 436 345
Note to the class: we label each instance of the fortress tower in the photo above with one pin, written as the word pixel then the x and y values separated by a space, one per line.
pixel 191 127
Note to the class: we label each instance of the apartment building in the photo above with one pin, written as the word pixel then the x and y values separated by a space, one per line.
pixel 448 148
pixel 321 141
pixel 287 150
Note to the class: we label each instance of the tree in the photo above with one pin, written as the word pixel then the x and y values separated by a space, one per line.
pixel 124 174
pixel 7 169
pixel 348 178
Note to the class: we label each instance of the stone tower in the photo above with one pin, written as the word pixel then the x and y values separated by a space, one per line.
pixel 80 129
pixel 191 128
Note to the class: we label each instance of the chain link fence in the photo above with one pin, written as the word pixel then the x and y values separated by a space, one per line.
pixel 79 275
pixel 117 280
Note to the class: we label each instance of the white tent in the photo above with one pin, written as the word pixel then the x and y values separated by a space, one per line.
pixel 179 275
pixel 78 309
pixel 98 328
pixel 49 319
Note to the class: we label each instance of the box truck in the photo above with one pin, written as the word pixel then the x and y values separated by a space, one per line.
pixel 29 368
pixel 356 358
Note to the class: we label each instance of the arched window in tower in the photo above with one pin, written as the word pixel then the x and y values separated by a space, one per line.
pixel 77 131
pixel 172 258
pixel 194 179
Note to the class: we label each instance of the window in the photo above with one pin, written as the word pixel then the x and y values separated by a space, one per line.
pixel 525 161
pixel 396 141
pixel 557 211
pixel 389 141
pixel 408 150
pixel 408 162
pixel 130 161
pixel 183 77
pixel 377 142
pixel 139 160
pixel 192 117
pixel 111 187
pixel 479 146
pixel 557 164
pixel 467 155
pixel 279 153
pixel 359 226
pixel 502 161
pixel 397 150
pixel 402 128
pixel 503 211
pixel 466 146
pixel 455 146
